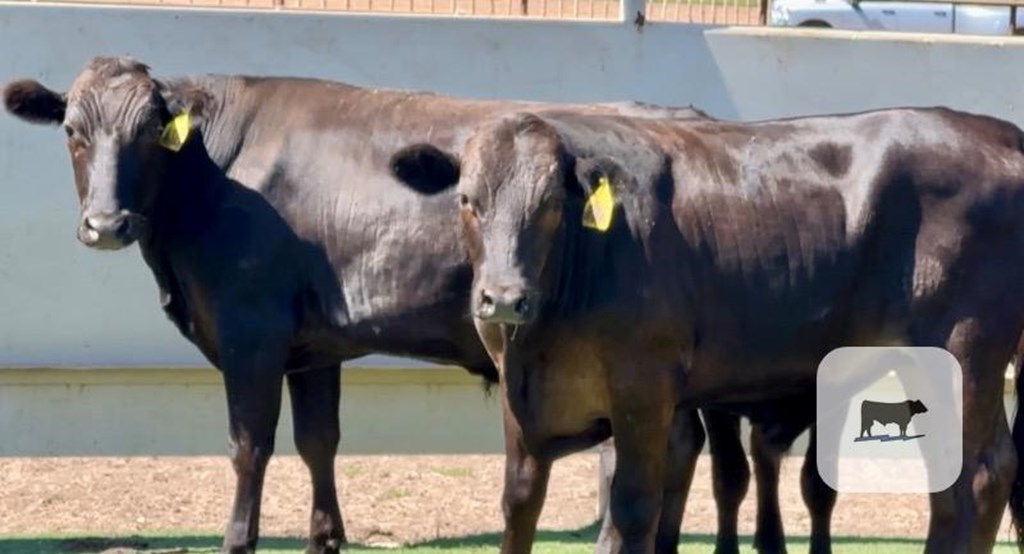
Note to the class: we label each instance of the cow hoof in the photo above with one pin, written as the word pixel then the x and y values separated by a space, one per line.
pixel 672 548
pixel 824 548
pixel 770 549
pixel 768 546
pixel 333 545
pixel 727 548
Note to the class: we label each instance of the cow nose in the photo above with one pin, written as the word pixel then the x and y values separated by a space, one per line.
pixel 510 305
pixel 107 224
pixel 108 231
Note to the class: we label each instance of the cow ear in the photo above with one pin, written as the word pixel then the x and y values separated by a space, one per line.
pixel 31 101
pixel 187 106
pixel 425 168
pixel 601 181
pixel 188 98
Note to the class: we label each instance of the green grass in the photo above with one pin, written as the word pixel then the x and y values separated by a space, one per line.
pixel 549 542
pixel 394 494
pixel 457 472
pixel 353 471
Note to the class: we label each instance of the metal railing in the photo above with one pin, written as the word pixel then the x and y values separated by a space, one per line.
pixel 725 12
pixel 715 12
pixel 719 12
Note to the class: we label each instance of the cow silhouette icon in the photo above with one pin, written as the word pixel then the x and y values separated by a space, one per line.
pixel 888 413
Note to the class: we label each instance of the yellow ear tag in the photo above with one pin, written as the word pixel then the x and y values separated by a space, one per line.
pixel 597 212
pixel 176 132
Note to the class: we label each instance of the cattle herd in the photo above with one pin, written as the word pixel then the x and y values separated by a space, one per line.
pixel 615 268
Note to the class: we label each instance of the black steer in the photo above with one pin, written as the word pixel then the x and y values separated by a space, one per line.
pixel 628 269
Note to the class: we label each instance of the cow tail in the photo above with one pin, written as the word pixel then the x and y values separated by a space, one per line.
pixel 1017 492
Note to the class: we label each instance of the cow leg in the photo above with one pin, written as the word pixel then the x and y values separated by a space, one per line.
pixel 254 403
pixel 315 398
pixel 641 423
pixel 992 484
pixel 526 484
pixel 253 347
pixel 983 486
pixel 730 475
pixel 819 498
pixel 684 446
pixel 769 536
pixel 684 449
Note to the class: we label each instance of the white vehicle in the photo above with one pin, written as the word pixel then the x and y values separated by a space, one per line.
pixel 887 15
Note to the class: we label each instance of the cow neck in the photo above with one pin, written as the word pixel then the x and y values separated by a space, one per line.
pixel 577 266
pixel 189 193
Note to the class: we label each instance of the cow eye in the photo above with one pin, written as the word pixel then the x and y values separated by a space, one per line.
pixel 69 131
pixel 464 201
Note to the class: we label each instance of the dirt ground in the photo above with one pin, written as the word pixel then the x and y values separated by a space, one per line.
pixel 385 499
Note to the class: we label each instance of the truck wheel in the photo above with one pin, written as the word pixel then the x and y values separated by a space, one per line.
pixel 815 23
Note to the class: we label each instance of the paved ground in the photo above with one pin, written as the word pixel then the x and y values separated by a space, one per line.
pixel 385 499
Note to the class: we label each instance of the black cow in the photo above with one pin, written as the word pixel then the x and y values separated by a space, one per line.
pixel 885 413
pixel 282 247
pixel 625 269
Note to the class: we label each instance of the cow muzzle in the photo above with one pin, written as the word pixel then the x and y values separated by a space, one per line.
pixel 508 305
pixel 107 231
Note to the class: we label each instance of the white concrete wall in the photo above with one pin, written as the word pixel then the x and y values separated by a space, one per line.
pixel 787 72
pixel 132 412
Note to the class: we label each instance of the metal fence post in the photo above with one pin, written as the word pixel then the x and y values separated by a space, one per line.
pixel 631 10
pixel 606 469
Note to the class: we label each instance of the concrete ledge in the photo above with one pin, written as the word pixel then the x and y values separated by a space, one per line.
pixel 154 411
pixel 351 376
pixel 168 411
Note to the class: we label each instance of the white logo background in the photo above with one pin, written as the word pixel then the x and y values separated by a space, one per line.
pixel 930 463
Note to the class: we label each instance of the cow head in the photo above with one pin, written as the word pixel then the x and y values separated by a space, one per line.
pixel 518 191
pixel 917 407
pixel 123 129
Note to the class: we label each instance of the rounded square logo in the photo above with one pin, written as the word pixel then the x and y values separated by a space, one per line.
pixel 889 419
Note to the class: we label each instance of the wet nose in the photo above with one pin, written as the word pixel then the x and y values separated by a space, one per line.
pixel 510 305
pixel 104 230
pixel 107 225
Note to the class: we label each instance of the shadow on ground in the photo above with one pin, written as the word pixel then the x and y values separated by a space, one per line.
pixel 587 536
pixel 580 540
